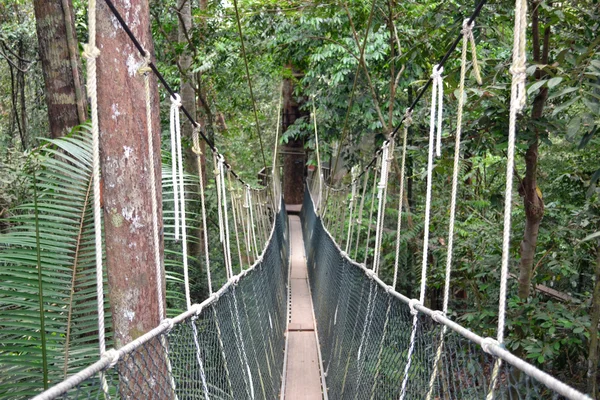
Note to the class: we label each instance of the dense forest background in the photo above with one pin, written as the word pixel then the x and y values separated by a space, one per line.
pixel 311 52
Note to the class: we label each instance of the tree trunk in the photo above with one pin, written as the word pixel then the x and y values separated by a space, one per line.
pixel 127 193
pixel 60 64
pixel 592 372
pixel 532 196
pixel 188 99
pixel 294 157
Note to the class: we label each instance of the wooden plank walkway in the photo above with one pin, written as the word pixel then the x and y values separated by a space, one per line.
pixel 303 374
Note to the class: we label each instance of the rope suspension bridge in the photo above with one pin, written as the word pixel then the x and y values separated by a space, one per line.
pixel 302 318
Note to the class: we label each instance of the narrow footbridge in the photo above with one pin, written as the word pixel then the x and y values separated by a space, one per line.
pixel 307 322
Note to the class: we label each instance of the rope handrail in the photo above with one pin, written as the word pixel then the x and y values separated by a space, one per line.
pixel 488 345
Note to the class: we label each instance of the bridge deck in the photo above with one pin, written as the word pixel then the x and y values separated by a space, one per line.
pixel 303 374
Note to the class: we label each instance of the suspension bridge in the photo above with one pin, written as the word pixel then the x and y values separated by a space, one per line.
pixel 303 319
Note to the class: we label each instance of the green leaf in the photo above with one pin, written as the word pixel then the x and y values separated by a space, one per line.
pixel 535 86
pixel 554 81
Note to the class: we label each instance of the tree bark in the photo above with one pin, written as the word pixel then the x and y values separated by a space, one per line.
pixel 188 99
pixel 127 193
pixel 60 64
pixel 592 372
pixel 294 157
pixel 532 196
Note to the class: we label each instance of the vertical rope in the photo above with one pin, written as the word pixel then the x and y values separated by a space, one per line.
pixel 197 150
pixel 251 221
pixel 517 102
pixel 320 170
pixel 360 213
pixel 275 168
pixel 407 124
pixel 91 52
pixel 467 38
pixel 173 128
pixel 371 212
pixel 227 244
pixel 436 75
pixel 381 206
pixel 438 86
pixel 235 221
pixel 350 217
pixel 179 193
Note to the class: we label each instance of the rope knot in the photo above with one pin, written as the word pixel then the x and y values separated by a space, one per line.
pixel 112 356
pixel 370 273
pixel 408 118
pixel 487 342
pixel 90 52
pixel 168 323
pixel 437 315
pixel 437 72
pixel 176 100
pixel 196 308
pixel 197 150
pixel 144 68
pixel 412 303
pixel 467 28
pixel 389 289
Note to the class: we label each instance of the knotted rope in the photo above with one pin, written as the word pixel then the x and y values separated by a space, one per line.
pixel 175 130
pixel 198 151
pixel 467 39
pixel 437 99
pixel 437 91
pixel 517 102
pixel 407 123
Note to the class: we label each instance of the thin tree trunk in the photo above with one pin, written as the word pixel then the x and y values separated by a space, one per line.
pixel 532 196
pixel 60 65
pixel 294 158
pixel 592 372
pixel 188 99
pixel 127 192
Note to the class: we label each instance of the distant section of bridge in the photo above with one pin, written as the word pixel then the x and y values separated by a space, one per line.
pixel 302 380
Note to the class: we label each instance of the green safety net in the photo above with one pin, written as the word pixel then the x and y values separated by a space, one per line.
pixel 364 335
pixel 234 347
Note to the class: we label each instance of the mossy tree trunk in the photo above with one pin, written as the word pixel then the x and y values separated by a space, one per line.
pixel 61 65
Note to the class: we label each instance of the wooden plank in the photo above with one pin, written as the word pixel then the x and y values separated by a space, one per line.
pixel 302 312
pixel 303 377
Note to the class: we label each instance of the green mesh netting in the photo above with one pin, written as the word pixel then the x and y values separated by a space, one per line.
pixel 240 338
pixel 364 335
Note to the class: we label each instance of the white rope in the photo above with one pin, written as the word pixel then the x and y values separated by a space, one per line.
pixel 360 213
pixel 517 102
pixel 350 219
pixel 467 37
pixel 179 192
pixel 407 124
pixel 175 151
pixel 385 160
pixel 371 211
pixel 320 170
pixel 251 221
pixel 235 221
pixel 467 32
pixel 437 100
pixel 198 152
pixel 275 169
pixel 144 70
pixel 436 72
pixel 91 52
pixel 227 244
pixel 218 185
